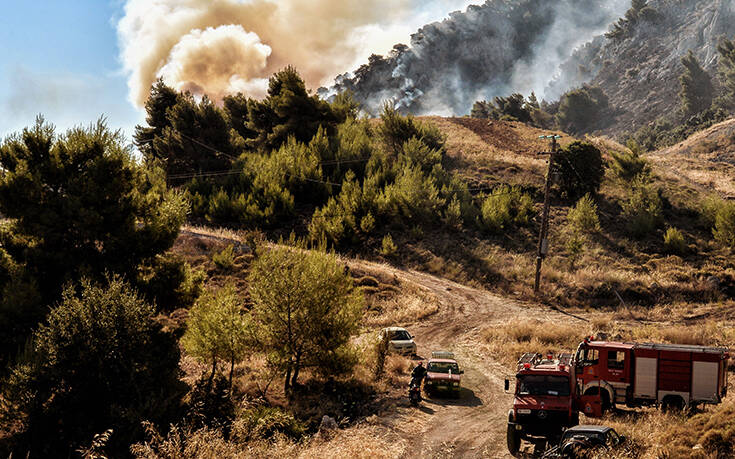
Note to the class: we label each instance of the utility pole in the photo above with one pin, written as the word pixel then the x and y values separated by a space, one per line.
pixel 543 241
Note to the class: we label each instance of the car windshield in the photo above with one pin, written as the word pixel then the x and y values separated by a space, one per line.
pixel 443 367
pixel 543 385
pixel 584 436
pixel 400 335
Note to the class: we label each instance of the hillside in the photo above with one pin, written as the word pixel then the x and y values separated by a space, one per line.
pixel 448 301
pixel 639 70
pixel 706 159
pixel 488 50
pixel 516 47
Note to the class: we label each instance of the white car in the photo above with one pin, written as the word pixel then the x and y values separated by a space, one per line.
pixel 399 339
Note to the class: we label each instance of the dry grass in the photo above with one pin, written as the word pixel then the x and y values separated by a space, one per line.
pixel 704 159
pixel 401 309
pixel 506 343
pixel 360 442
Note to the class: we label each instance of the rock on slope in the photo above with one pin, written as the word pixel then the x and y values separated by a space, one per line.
pixel 639 72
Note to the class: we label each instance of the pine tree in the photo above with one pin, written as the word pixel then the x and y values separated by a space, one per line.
pixel 696 87
pixel 726 73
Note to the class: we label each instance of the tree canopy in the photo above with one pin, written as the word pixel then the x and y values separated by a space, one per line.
pixel 696 87
pixel 98 362
pixel 305 309
pixel 79 205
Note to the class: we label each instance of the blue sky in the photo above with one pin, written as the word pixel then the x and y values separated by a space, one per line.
pixel 60 58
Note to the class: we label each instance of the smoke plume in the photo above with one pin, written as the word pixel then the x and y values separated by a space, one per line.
pixel 217 47
pixel 490 50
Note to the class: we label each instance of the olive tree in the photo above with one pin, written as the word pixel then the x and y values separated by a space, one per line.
pixel 217 329
pixel 305 309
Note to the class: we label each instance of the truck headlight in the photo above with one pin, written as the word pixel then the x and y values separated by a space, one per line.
pixel 524 411
pixel 455 384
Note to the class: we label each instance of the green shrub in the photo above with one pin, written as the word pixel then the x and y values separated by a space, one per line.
pixel 217 329
pixel 453 213
pixel 724 230
pixel 643 209
pixel 583 216
pixel 504 207
pixel 581 170
pixel 367 223
pixel 674 241
pixel 169 282
pixel 414 195
pixel 628 164
pixel 99 361
pixel 710 206
pixel 264 422
pixel 225 259
pixel 388 247
pixel 575 248
pixel 337 221
pixel 396 130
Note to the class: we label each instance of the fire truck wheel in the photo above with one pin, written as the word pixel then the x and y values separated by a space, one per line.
pixel 514 440
pixel 672 403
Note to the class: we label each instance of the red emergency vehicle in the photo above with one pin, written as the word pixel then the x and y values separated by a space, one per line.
pixel 668 375
pixel 544 403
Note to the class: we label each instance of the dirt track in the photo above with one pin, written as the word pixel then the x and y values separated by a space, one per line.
pixel 474 425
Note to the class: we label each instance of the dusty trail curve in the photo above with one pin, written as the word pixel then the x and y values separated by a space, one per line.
pixel 473 425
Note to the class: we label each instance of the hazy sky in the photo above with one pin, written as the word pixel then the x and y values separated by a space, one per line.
pixel 62 59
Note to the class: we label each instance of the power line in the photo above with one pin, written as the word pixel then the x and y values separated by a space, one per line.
pixel 222 173
pixel 207 146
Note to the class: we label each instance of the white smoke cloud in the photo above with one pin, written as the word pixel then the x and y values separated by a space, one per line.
pixel 227 59
pixel 217 47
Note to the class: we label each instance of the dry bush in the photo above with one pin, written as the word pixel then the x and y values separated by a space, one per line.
pixel 397 368
pixel 182 443
pixel 702 334
pixel 601 324
pixel 508 342
pixel 406 307
pixel 359 442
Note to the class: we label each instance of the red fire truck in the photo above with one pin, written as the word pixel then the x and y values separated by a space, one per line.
pixel 668 375
pixel 544 402
pixel 550 392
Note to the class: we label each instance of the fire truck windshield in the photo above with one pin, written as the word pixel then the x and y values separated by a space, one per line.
pixel 543 385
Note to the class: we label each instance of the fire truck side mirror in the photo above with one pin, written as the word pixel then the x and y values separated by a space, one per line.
pixel 507 385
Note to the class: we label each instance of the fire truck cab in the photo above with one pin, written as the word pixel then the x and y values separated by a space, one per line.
pixel 543 405
pixel 669 375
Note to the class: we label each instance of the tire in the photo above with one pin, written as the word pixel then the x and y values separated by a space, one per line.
pixel 672 403
pixel 513 438
pixel 604 398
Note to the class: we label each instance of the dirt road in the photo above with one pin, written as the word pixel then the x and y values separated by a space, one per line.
pixel 475 424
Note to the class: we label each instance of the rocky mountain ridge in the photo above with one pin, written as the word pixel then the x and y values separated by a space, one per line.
pixel 503 47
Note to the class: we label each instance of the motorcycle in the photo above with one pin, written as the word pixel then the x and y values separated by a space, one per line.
pixel 414 393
